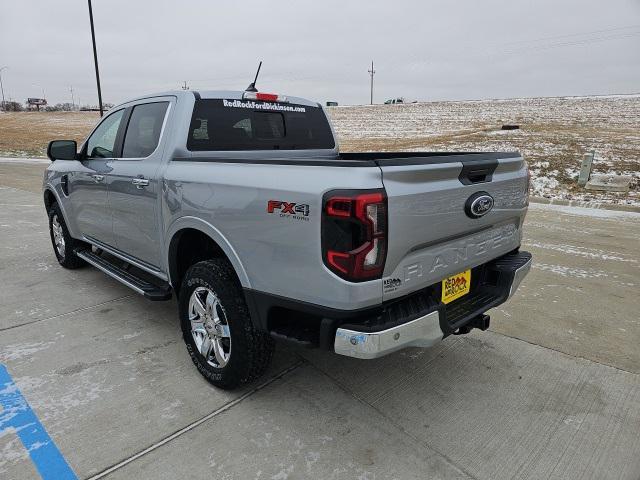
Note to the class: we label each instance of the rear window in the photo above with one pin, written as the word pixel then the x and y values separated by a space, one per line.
pixel 250 125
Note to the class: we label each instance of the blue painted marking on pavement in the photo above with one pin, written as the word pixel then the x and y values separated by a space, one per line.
pixel 17 413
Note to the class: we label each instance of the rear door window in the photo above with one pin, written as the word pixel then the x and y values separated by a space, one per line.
pixel 143 131
pixel 250 125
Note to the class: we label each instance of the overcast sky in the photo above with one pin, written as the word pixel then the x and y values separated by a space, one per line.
pixel 322 49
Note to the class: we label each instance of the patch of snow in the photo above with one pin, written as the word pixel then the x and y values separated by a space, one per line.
pixel 541 185
pixel 587 212
pixel 582 252
pixel 18 351
pixel 570 271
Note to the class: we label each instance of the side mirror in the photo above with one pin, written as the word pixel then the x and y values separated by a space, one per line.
pixel 62 150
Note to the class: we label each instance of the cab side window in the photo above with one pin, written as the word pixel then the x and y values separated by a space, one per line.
pixel 102 142
pixel 143 131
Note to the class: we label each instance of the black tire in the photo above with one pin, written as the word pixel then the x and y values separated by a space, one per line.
pixel 250 350
pixel 66 255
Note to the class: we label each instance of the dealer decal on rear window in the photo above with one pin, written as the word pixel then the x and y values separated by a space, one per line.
pixel 262 106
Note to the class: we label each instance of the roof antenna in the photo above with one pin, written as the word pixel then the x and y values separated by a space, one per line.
pixel 252 85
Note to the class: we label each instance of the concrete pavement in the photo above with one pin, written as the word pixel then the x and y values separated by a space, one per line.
pixel 551 391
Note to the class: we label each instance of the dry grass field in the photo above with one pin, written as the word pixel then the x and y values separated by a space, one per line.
pixel 554 134
pixel 26 134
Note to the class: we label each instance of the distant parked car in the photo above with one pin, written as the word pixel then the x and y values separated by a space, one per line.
pixel 332 104
pixel 393 101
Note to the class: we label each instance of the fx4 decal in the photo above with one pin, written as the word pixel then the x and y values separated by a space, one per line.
pixel 298 211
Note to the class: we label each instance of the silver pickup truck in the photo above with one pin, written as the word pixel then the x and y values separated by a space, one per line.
pixel 241 204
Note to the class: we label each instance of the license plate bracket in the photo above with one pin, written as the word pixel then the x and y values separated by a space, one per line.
pixel 456 286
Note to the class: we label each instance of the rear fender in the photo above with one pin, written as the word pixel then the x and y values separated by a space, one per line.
pixel 213 233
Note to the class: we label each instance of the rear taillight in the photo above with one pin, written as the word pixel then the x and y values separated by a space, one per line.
pixel 354 233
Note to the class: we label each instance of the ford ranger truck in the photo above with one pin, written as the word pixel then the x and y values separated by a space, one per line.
pixel 241 205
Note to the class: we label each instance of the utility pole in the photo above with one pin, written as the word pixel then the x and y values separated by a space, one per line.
pixel 372 72
pixel 2 87
pixel 73 103
pixel 95 58
pixel 185 86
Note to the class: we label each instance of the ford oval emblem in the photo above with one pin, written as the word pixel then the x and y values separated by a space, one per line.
pixel 478 205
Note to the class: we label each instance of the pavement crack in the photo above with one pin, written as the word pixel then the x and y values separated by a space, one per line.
pixel 567 354
pixel 81 309
pixel 197 423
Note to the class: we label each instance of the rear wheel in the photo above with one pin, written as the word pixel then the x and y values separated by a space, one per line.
pixel 217 329
pixel 64 245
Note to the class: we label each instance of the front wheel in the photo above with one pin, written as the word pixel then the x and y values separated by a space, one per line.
pixel 217 329
pixel 64 244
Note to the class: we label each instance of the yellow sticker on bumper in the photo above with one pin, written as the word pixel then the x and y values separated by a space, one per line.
pixel 456 286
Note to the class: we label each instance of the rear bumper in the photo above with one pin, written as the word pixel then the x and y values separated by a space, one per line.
pixel 421 320
pixel 519 275
pixel 424 331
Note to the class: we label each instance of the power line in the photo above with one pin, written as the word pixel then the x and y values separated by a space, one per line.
pixel 505 48
pixel 577 42
pixel 569 35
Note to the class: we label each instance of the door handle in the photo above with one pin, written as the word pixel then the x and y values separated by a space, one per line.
pixel 97 178
pixel 140 182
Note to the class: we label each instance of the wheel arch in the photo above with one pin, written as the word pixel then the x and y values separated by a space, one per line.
pixel 191 240
pixel 49 198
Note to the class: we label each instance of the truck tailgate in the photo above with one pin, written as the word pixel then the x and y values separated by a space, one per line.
pixel 430 235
